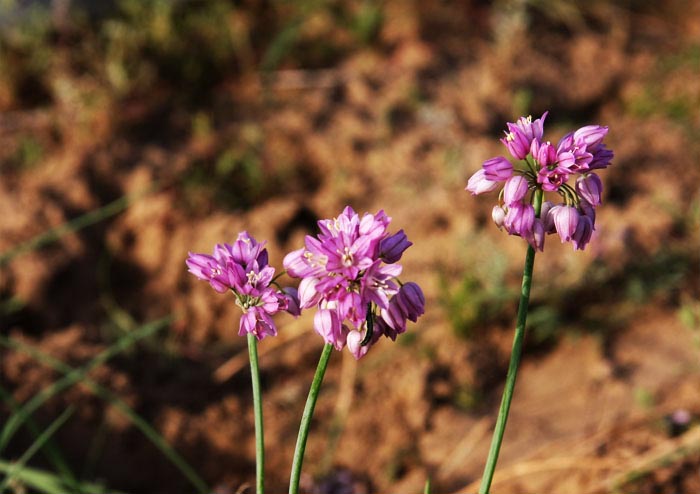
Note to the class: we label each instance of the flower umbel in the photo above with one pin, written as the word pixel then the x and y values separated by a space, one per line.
pixel 243 269
pixel 349 271
pixel 545 167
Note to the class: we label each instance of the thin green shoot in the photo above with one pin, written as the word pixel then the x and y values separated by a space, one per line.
pixel 90 218
pixel 36 446
pixel 48 483
pixel 51 452
pixel 73 377
pixel 106 395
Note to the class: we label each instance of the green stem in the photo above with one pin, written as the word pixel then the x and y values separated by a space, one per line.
pixel 257 408
pixel 516 352
pixel 306 419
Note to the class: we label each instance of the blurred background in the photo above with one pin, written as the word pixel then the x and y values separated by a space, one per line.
pixel 132 132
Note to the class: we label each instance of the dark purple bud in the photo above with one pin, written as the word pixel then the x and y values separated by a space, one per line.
pixel 583 233
pixel 291 295
pixel 602 157
pixel 391 248
pixel 587 210
pixel 411 301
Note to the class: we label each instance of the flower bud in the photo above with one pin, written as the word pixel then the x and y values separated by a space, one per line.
pixel 328 325
pixel 391 248
pixel 602 157
pixel 411 301
pixel 478 183
pixel 589 187
pixel 498 214
pixel 519 219
pixel 497 169
pixel 583 233
pixel 536 236
pixel 590 135
pixel 544 153
pixel 515 189
pixel 565 221
pixel 291 295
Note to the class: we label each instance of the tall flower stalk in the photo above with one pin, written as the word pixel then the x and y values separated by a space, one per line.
pixel 540 167
pixel 307 415
pixel 242 268
pixel 258 414
pixel 349 274
pixel 515 354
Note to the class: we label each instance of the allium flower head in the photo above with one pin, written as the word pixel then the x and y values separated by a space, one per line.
pixel 541 167
pixel 349 272
pixel 242 268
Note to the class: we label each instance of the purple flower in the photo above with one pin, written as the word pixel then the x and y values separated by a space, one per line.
pixel 589 187
pixel 478 183
pixel 544 153
pixel 542 168
pixel 206 267
pixel 349 272
pixel 551 179
pixel 533 130
pixel 573 156
pixel 497 169
pixel 516 141
pixel 242 268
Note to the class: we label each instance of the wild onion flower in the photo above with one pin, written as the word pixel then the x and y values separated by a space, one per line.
pixel 541 166
pixel 349 272
pixel 243 268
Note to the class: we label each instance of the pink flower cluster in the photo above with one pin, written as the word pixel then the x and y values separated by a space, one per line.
pixel 548 168
pixel 349 272
pixel 243 268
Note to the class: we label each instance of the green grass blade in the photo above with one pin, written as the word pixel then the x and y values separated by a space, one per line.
pixel 48 483
pixel 76 375
pixel 36 446
pixel 85 220
pixel 103 393
pixel 50 451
